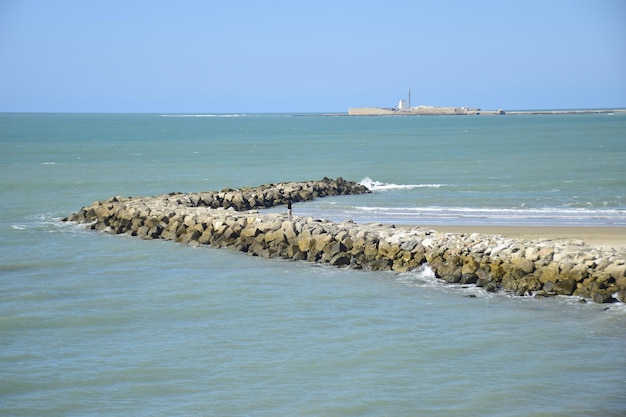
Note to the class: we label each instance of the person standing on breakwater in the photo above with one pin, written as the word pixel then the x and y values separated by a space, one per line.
pixel 289 216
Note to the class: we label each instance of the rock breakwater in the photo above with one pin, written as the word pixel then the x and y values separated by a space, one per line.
pixel 231 219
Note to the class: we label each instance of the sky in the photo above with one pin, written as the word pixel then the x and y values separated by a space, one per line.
pixel 152 56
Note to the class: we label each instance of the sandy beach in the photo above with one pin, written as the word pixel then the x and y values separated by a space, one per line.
pixel 595 236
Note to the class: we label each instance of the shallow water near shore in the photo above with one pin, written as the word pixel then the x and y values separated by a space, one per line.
pixel 93 324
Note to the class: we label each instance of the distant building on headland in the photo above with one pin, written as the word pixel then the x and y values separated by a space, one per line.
pixel 404 109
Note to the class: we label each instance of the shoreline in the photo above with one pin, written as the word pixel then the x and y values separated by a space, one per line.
pixel 609 236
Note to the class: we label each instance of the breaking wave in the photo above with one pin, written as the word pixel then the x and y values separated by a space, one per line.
pixel 382 186
pixel 561 216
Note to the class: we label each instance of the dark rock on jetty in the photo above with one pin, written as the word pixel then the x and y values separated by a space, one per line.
pixel 229 219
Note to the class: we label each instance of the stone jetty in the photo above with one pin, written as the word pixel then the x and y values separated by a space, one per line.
pixel 231 218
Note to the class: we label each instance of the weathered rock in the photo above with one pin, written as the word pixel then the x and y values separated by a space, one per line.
pixel 450 270
pixel 562 287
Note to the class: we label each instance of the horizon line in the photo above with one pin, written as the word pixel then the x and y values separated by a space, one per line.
pixel 573 109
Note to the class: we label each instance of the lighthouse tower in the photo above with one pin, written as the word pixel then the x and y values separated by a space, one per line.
pixel 405 104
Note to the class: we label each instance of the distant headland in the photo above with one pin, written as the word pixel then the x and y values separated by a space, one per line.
pixel 404 108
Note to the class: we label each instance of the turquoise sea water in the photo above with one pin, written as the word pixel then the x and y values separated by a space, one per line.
pixel 92 324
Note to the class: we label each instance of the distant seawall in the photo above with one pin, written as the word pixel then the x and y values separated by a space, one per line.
pixel 230 219
pixel 414 111
pixel 451 111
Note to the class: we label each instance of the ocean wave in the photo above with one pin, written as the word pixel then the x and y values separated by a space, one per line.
pixel 499 211
pixel 562 214
pixel 48 223
pixel 382 186
pixel 471 215
pixel 203 115
pixel 425 277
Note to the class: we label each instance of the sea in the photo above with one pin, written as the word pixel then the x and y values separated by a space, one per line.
pixel 98 325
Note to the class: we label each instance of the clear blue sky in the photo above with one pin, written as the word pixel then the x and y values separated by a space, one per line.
pixel 309 56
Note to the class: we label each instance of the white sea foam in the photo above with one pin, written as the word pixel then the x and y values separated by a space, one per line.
pixel 433 215
pixel 424 277
pixel 203 115
pixel 382 186
pixel 509 215
pixel 48 223
pixel 547 211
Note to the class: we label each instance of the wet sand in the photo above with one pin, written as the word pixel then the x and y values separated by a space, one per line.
pixel 595 236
